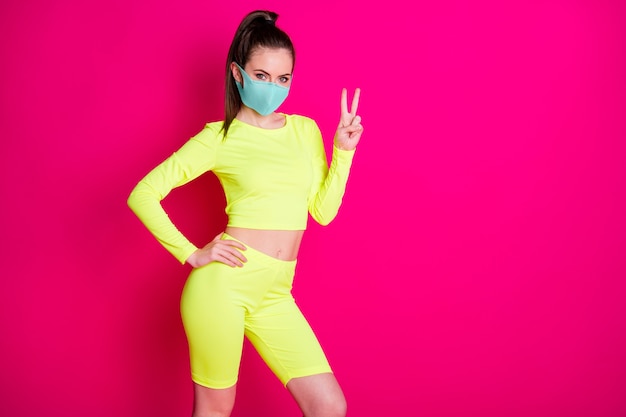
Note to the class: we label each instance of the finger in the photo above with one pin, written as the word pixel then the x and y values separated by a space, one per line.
pixel 352 129
pixel 230 257
pixel 235 261
pixel 356 121
pixel 231 242
pixel 230 249
pixel 234 243
pixel 344 101
pixel 234 253
pixel 355 102
pixel 228 261
pixel 218 237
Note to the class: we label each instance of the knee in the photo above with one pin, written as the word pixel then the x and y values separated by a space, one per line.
pixel 213 402
pixel 328 407
pixel 213 413
pixel 339 408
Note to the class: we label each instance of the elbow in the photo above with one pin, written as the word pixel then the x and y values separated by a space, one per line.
pixel 323 219
pixel 132 200
pixel 138 197
pixel 324 222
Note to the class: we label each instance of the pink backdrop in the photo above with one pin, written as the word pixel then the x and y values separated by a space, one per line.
pixel 477 265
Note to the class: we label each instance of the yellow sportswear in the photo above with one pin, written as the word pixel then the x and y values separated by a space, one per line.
pixel 271 179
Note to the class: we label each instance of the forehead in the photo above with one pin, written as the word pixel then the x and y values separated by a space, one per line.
pixel 270 60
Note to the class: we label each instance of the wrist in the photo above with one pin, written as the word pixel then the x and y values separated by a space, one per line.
pixel 343 148
pixel 192 259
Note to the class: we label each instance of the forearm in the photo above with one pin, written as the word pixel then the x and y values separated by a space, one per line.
pixel 325 204
pixel 189 162
pixel 147 206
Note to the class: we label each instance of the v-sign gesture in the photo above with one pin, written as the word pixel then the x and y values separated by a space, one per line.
pixel 350 129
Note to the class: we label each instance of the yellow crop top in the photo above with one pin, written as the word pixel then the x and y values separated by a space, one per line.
pixel 271 178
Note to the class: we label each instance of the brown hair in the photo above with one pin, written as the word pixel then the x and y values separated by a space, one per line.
pixel 257 30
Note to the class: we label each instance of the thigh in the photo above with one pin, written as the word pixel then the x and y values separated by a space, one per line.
pixel 285 340
pixel 214 324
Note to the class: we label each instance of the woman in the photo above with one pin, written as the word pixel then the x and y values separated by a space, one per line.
pixel 274 172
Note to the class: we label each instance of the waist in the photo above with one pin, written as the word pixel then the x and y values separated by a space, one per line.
pixel 279 244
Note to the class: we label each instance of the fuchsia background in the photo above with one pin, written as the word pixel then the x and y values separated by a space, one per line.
pixel 476 267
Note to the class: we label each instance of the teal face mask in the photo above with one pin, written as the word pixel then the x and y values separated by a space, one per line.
pixel 261 96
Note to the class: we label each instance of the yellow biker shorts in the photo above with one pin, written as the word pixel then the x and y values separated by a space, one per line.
pixel 221 304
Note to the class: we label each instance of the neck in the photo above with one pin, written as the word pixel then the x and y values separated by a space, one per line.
pixel 271 121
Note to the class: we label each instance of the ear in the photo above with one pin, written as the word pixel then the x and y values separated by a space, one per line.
pixel 234 69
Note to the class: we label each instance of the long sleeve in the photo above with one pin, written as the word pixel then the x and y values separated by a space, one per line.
pixel 194 158
pixel 329 184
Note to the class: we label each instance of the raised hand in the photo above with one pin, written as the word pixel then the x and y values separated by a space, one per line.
pixel 350 129
pixel 221 250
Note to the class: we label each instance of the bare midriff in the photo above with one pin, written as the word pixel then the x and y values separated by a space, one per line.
pixel 279 244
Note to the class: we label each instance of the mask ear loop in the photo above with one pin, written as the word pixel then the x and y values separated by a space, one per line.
pixel 241 70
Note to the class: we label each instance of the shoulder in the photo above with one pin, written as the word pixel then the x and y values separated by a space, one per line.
pixel 300 119
pixel 214 128
pixel 299 122
pixel 211 133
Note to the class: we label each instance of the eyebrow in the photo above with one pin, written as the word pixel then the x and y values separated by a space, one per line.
pixel 267 73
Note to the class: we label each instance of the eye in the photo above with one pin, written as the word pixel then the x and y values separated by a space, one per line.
pixel 283 80
pixel 261 76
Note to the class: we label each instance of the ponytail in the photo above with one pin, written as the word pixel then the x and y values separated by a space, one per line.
pixel 257 30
